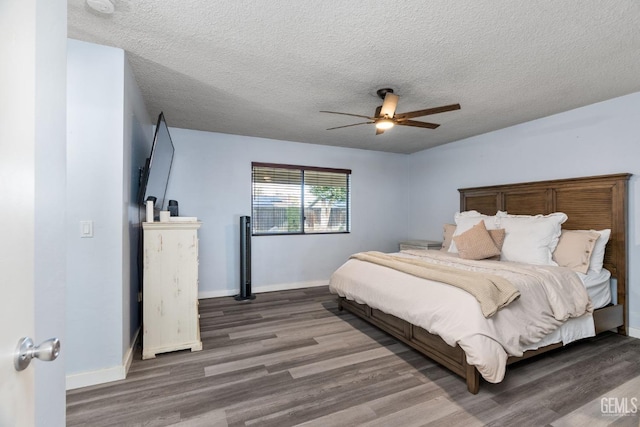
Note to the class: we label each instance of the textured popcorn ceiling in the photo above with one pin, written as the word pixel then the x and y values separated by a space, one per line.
pixel 266 68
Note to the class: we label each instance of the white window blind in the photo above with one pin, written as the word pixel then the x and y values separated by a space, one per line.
pixel 288 199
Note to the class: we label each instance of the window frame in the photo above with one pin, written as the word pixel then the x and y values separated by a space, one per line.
pixel 301 168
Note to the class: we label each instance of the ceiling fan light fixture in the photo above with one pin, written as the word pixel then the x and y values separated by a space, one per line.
pixel 384 124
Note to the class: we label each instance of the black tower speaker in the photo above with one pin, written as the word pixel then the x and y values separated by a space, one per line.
pixel 245 260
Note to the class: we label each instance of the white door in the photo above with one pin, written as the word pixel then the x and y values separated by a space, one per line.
pixel 32 190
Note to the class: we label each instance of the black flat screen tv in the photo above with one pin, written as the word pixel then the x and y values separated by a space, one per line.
pixel 155 175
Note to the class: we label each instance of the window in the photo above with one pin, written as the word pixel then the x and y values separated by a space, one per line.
pixel 290 199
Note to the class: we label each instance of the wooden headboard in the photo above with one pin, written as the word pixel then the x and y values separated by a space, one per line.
pixel 595 202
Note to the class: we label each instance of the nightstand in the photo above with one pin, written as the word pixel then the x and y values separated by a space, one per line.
pixel 420 244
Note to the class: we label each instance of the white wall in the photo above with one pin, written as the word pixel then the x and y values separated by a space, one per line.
pixel 105 129
pixel 211 179
pixel 598 139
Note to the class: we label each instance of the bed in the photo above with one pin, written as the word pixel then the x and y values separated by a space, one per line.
pixel 590 203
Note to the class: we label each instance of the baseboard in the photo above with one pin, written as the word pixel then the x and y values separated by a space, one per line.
pixel 86 379
pixel 101 376
pixel 266 288
pixel 128 357
pixel 634 332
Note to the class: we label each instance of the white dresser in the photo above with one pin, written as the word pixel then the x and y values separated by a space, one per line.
pixel 170 318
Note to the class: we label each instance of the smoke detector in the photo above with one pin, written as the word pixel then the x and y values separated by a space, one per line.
pixel 102 6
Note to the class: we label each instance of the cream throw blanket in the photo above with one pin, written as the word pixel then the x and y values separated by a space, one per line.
pixel 492 292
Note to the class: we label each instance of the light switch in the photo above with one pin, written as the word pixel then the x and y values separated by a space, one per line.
pixel 86 228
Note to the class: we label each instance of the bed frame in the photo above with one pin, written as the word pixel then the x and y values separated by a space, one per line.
pixel 596 202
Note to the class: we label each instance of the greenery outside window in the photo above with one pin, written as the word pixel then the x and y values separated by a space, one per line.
pixel 288 199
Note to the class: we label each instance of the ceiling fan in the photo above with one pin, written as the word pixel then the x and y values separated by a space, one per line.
pixel 386 117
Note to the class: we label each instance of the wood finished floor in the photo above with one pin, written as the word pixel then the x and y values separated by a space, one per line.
pixel 291 358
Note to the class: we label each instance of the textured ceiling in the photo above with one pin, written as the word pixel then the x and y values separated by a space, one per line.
pixel 266 68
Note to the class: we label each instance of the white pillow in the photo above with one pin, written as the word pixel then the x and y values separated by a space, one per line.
pixel 597 256
pixel 531 239
pixel 466 220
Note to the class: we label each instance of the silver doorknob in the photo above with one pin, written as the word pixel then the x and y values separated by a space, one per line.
pixel 25 351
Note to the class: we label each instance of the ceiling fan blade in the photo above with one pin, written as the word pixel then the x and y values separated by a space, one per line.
pixel 379 131
pixel 346 126
pixel 427 112
pixel 377 113
pixel 348 114
pixel 417 124
pixel 389 105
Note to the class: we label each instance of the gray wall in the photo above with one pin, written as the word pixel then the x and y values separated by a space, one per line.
pixel 598 139
pixel 211 179
pixel 137 146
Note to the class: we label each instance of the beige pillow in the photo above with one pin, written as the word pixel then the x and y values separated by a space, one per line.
pixel 574 249
pixel 449 229
pixel 498 237
pixel 476 243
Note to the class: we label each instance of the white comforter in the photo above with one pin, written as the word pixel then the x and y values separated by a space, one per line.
pixel 549 297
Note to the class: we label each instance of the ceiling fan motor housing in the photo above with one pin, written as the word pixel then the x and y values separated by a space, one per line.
pixel 383 92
